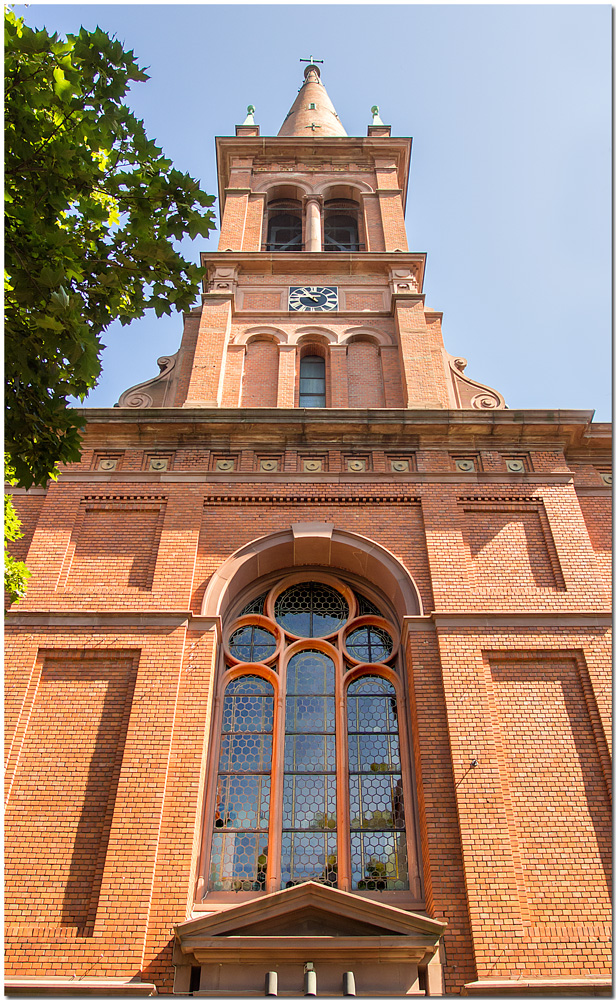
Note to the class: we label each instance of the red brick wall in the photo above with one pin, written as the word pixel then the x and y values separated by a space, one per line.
pixel 531 701
pixel 364 374
pixel 260 383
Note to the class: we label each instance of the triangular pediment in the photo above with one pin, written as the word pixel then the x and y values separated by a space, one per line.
pixel 309 910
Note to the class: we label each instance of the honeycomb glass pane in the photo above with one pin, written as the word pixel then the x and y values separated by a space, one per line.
pixel 374 752
pixel 369 644
pixel 309 856
pixel 379 861
pixel 309 752
pixel 245 752
pixel 251 644
pixel 309 802
pixel 376 801
pixel 310 715
pixel 242 801
pixel 239 862
pixel 311 672
pixel 247 714
pixel 311 609
pixel 372 715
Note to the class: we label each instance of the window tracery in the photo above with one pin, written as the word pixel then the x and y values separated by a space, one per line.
pixel 310 779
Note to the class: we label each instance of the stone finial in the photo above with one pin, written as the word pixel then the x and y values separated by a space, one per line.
pixel 248 127
pixel 378 127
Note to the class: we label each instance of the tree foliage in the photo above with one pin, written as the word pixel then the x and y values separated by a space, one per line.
pixel 15 572
pixel 92 212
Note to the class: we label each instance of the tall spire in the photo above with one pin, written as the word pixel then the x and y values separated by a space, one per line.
pixel 312 112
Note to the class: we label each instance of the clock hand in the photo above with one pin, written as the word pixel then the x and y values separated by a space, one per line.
pixel 315 298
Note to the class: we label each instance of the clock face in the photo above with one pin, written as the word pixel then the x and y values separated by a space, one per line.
pixel 313 298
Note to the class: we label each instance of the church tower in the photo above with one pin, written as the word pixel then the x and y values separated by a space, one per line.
pixel 309 694
pixel 313 284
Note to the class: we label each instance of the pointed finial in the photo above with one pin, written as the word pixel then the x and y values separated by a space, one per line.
pixel 249 117
pixel 375 115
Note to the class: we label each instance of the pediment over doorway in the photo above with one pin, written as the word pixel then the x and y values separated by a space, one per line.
pixel 310 909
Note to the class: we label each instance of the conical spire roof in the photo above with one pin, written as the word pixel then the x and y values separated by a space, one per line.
pixel 312 112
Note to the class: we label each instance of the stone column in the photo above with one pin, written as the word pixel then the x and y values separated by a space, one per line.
pixel 313 224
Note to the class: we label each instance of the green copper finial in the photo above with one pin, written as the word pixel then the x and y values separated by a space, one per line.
pixel 375 115
pixel 249 117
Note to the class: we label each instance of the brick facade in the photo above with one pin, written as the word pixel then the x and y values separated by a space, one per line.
pixel 405 480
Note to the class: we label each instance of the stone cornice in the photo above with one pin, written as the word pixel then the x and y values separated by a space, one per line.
pixel 435 620
pixel 113 619
pixel 388 479
pixel 321 262
pixel 62 986
pixel 326 148
pixel 562 427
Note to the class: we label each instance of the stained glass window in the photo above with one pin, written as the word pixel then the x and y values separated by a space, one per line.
pixel 240 840
pixel 312 793
pixel 309 795
pixel 378 841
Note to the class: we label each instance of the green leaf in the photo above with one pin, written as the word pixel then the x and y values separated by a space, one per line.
pixel 61 86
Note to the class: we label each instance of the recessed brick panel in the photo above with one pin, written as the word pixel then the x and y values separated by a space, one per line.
pixel 116 546
pixel 559 806
pixel 512 545
pixel 597 513
pixel 60 813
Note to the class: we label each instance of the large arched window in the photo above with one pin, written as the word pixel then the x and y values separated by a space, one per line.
pixel 313 770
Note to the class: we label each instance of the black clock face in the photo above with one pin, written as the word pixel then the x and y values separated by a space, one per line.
pixel 313 298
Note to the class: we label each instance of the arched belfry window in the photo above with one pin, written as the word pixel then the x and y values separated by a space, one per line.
pixel 312 381
pixel 341 226
pixel 313 775
pixel 284 225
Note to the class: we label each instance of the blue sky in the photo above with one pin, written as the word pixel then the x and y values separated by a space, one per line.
pixel 509 107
